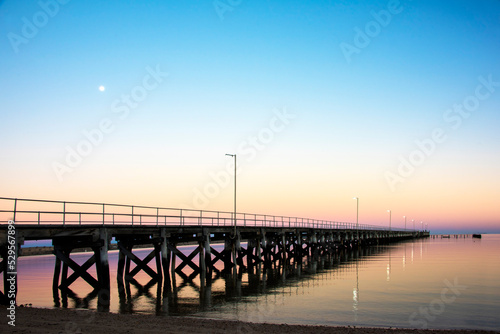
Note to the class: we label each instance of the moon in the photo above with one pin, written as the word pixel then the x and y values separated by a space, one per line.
pixel 102 88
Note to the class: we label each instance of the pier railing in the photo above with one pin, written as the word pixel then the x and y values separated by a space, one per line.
pixel 69 213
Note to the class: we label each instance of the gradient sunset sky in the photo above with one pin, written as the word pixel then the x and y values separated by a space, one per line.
pixel 137 102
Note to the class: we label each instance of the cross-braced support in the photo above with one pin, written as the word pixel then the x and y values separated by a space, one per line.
pixel 62 250
pixel 126 257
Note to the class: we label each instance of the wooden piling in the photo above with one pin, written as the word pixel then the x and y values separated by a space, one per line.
pixel 202 264
pixel 228 250
pixel 121 263
pixel 103 263
pixel 165 255
pixel 55 281
pixel 172 269
pixel 208 256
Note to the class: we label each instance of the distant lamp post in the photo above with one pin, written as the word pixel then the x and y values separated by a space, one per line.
pixel 405 221
pixel 390 218
pixel 413 221
pixel 357 217
pixel 234 214
pixel 422 225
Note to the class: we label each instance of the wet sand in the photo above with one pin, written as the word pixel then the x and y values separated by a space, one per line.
pixel 34 320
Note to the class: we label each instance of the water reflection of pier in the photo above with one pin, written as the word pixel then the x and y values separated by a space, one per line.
pixel 184 294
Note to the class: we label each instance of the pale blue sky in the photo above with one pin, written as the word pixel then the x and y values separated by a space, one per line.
pixel 226 76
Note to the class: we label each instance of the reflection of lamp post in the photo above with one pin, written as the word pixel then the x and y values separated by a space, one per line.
pixel 390 218
pixel 389 267
pixel 234 155
pixel 357 218
pixel 355 291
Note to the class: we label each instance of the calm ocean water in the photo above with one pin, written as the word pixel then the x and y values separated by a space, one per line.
pixel 430 283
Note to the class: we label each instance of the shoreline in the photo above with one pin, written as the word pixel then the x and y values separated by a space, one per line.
pixel 40 320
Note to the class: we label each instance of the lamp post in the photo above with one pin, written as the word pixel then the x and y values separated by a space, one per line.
pixel 413 221
pixel 422 225
pixel 234 214
pixel 405 221
pixel 390 218
pixel 357 217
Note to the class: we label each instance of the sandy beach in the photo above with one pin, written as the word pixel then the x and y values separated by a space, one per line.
pixel 35 320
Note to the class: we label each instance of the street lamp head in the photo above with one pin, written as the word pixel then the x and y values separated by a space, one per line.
pixel 354 198
pixel 388 210
pixel 230 155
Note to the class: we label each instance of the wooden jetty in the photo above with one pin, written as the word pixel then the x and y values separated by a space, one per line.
pixel 452 236
pixel 248 239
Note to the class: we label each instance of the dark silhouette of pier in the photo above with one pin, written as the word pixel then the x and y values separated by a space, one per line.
pixel 250 242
